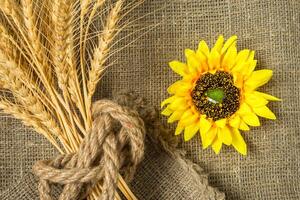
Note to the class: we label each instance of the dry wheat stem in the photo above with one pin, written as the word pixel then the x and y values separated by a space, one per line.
pixel 9 52
pixel 46 32
pixel 24 95
pixel 33 35
pixel 83 11
pixel 101 53
pixel 62 34
pixel 64 56
pixel 9 75
pixel 12 8
pixel 98 5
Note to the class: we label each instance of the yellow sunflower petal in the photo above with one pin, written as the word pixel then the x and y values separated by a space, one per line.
pixel 235 121
pixel 187 114
pixel 221 123
pixel 178 102
pixel 231 41
pixel 217 145
pixel 214 60
pixel 255 100
pixel 244 109
pixel 219 44
pixel 224 135
pixel 190 131
pixel 251 55
pixel 183 90
pixel 251 119
pixel 188 53
pixel 180 88
pixel 241 64
pixel 192 60
pixel 202 136
pixel 167 112
pixel 176 115
pixel 258 78
pixel 240 68
pixel 209 137
pixel 243 56
pixel 204 125
pixel 190 120
pixel 238 79
pixel 238 142
pixel 203 47
pixel 251 67
pixel 243 126
pixel 267 96
pixel 189 117
pixel 179 67
pixel 173 88
pixel 265 112
pixel 167 101
pixel 229 57
pixel 179 128
pixel 203 61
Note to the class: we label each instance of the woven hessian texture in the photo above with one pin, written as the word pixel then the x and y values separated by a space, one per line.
pixel 270 27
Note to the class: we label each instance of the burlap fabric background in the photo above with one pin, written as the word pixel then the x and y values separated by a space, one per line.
pixel 271 27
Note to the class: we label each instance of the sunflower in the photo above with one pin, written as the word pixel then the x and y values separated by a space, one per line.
pixel 217 95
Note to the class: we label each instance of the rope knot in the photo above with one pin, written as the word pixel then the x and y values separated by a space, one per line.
pixel 114 144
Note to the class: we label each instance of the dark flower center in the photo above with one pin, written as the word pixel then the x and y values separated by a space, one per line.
pixel 216 96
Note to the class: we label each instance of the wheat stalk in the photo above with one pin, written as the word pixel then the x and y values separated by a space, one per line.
pixel 51 80
pixel 38 68
pixel 62 36
pixel 9 73
pixel 10 8
pixel 9 53
pixel 34 39
pixel 101 53
pixel 5 45
pixel 63 54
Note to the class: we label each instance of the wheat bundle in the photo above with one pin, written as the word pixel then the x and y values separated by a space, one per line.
pixel 52 56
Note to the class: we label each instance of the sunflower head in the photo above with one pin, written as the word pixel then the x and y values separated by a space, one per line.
pixel 217 95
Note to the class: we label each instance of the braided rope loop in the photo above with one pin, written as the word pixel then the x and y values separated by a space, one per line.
pixel 115 143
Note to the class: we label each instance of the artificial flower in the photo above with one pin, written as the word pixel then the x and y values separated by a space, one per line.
pixel 217 95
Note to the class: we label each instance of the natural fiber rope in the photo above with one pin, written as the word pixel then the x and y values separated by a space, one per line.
pixel 115 142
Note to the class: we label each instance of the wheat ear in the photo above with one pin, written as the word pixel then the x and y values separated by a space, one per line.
pixel 57 107
pixel 62 36
pixel 10 8
pixel 63 56
pixel 17 80
pixel 9 50
pixel 34 39
pixel 84 7
pixel 98 5
pixel 10 71
pixel 101 53
pixel 5 45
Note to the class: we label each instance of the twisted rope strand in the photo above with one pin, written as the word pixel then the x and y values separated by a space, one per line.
pixel 102 154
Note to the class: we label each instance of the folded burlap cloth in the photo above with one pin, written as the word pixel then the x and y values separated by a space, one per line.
pixel 116 144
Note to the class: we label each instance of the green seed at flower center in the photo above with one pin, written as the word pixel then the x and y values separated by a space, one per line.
pixel 215 95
